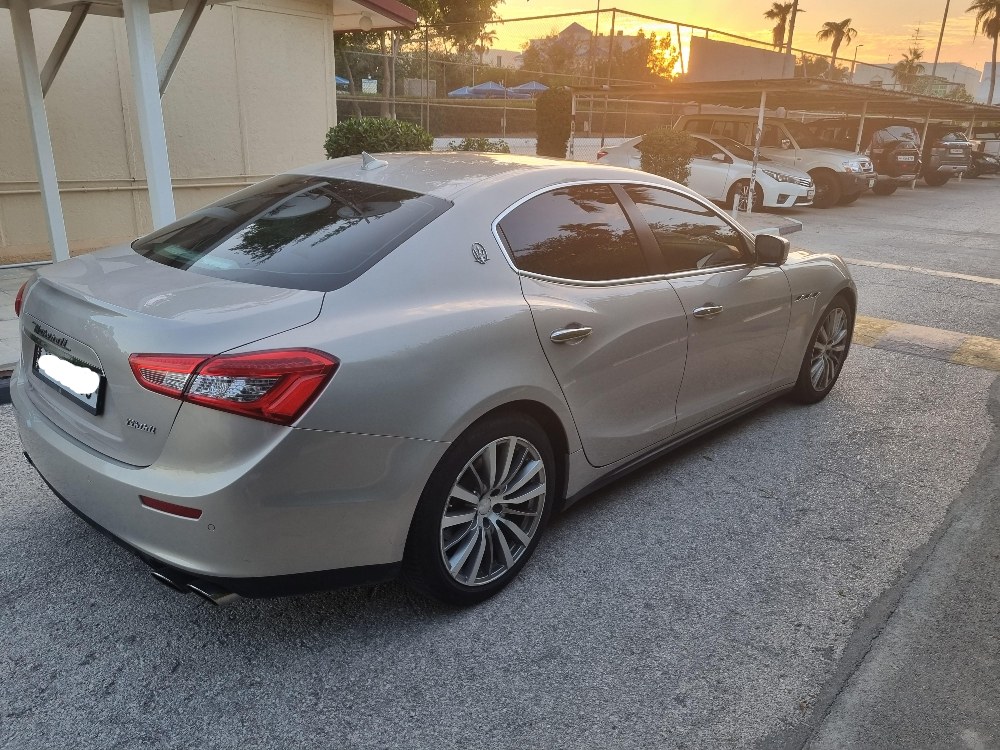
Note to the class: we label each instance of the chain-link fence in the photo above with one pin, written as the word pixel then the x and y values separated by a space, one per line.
pixel 474 81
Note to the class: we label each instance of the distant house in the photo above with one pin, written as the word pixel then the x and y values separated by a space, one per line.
pixel 504 58
pixel 583 42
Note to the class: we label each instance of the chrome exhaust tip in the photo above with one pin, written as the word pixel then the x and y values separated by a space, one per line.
pixel 213 593
pixel 175 579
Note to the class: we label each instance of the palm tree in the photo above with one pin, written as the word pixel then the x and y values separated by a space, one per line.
pixel 906 70
pixel 988 21
pixel 836 33
pixel 484 41
pixel 779 12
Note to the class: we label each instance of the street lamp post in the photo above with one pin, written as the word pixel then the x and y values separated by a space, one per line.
pixel 855 63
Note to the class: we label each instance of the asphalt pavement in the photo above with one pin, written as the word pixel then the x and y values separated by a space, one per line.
pixel 807 576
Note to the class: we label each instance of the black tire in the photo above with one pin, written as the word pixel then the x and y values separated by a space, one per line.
pixel 846 200
pixel 884 187
pixel 424 565
pixel 828 190
pixel 974 170
pixel 806 391
pixel 742 187
pixel 936 179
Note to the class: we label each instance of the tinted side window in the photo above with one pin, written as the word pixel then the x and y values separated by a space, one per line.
pixel 737 131
pixel 706 150
pixel 578 232
pixel 294 232
pixel 698 126
pixel 690 236
pixel 772 137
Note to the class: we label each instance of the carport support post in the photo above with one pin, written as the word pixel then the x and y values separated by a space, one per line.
pixel 24 42
pixel 923 141
pixel 146 86
pixel 861 127
pixel 572 126
pixel 756 151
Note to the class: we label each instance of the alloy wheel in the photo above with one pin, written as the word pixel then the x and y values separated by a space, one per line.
pixel 829 349
pixel 493 511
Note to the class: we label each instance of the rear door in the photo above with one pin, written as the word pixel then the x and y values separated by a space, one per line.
pixel 709 170
pixel 737 313
pixel 614 337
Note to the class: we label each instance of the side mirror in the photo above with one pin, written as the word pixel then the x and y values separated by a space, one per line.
pixel 771 249
pixel 786 143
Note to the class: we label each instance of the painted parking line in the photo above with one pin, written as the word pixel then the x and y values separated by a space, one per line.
pixel 933 343
pixel 925 271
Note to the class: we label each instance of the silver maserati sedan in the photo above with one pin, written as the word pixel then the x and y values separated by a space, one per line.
pixel 405 365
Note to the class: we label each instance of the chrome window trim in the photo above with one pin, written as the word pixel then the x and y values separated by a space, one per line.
pixel 632 280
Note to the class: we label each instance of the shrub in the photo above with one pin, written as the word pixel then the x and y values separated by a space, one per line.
pixel 553 112
pixel 375 135
pixel 482 145
pixel 668 153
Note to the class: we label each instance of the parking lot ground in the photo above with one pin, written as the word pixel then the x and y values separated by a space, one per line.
pixel 804 575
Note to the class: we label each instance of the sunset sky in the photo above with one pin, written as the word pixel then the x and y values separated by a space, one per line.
pixel 885 28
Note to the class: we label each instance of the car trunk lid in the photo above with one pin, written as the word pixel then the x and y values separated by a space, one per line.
pixel 98 309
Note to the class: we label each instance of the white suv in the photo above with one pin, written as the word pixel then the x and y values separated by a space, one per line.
pixel 840 176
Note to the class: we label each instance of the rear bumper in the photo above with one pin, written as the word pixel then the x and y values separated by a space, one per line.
pixel 309 510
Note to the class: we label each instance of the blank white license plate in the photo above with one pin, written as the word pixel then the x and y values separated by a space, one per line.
pixel 81 384
pixel 904 158
pixel 957 150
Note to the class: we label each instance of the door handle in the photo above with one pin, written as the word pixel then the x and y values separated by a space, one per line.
pixel 564 335
pixel 707 311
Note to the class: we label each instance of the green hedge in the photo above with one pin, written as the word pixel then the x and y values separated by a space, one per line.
pixel 553 113
pixel 375 135
pixel 667 152
pixel 482 145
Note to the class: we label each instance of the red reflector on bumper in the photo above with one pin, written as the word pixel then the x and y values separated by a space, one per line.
pixel 175 510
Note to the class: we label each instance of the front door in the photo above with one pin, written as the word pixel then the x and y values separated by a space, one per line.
pixel 614 337
pixel 738 313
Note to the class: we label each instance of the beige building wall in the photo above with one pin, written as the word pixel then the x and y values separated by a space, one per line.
pixel 253 95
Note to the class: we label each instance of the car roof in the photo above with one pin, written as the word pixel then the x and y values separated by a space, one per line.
pixel 448 174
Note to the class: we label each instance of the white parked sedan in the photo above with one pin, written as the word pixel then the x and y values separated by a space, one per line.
pixel 720 169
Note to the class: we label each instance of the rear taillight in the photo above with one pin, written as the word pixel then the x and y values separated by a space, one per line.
pixel 601 154
pixel 19 300
pixel 165 373
pixel 275 386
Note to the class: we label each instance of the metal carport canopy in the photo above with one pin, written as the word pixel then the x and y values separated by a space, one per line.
pixel 150 79
pixel 809 94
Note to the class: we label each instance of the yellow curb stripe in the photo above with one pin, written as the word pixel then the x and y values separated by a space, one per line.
pixel 977 351
pixel 972 351
pixel 869 331
pixel 925 271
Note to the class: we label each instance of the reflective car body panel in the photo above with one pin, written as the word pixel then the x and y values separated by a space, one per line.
pixel 442 330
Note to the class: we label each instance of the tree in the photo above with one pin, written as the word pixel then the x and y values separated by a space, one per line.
pixel 988 21
pixel 838 32
pixel 909 68
pixel 647 58
pixel 819 67
pixel 779 13
pixel 484 42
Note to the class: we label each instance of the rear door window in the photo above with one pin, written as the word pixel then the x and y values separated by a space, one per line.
pixel 294 232
pixel 691 236
pixel 578 232
pixel 698 126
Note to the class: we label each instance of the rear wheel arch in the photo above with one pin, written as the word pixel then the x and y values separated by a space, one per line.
pixel 550 422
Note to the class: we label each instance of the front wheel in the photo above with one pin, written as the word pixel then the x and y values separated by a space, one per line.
pixel 974 170
pixel 742 189
pixel 482 512
pixel 885 187
pixel 825 355
pixel 846 200
pixel 936 179
pixel 827 189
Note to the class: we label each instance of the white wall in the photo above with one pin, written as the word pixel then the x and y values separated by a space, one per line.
pixel 711 60
pixel 253 95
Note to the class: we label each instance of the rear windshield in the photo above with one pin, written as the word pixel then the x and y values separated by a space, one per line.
pixel 902 133
pixel 294 232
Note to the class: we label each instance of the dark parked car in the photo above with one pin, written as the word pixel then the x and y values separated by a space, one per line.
pixel 893 147
pixel 946 153
pixel 982 162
